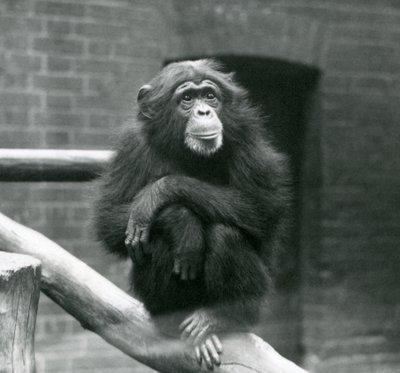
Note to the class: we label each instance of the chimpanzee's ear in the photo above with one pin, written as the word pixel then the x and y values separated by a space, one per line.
pixel 143 91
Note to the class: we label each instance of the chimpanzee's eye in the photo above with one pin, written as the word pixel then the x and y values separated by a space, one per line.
pixel 210 96
pixel 187 98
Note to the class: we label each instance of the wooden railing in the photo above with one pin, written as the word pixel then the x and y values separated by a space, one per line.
pixel 51 164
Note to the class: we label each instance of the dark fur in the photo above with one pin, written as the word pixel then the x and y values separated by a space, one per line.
pixel 230 207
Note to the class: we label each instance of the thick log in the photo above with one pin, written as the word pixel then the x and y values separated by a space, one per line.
pixel 19 296
pixel 121 320
pixel 51 164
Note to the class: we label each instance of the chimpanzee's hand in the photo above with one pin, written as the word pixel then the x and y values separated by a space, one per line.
pixel 137 232
pixel 199 329
pixel 188 264
pixel 145 205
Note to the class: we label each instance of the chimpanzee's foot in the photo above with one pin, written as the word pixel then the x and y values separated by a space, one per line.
pixel 199 329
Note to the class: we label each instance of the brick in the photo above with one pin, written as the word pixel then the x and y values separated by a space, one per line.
pixel 20 138
pixel 54 193
pixel 58 64
pixel 54 324
pixel 62 213
pixel 99 48
pixel 48 307
pixel 15 42
pixel 21 6
pixel 99 102
pixel 58 27
pixel 360 32
pixel 382 86
pixel 96 120
pixel 9 80
pixel 97 66
pixel 24 63
pixel 100 12
pixel 60 119
pixel 34 25
pixel 81 213
pixel 58 102
pixel 32 216
pixel 18 24
pixel 57 138
pixel 104 31
pixel 20 99
pixel 97 84
pixel 95 139
pixel 13 117
pixel 14 192
pixel 58 83
pixel 58 46
pixel 362 58
pixel 57 8
pixel 139 48
pixel 63 230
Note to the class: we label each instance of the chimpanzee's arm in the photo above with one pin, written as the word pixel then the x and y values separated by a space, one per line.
pixel 110 224
pixel 250 212
pixel 133 167
pixel 255 213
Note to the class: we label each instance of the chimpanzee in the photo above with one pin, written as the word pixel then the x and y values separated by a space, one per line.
pixel 197 196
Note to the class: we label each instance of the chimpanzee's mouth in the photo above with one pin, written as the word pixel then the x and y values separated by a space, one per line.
pixel 205 135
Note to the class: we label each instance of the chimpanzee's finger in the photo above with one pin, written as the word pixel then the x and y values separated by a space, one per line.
pixel 212 351
pixel 201 335
pixel 197 354
pixel 189 328
pixel 177 268
pixel 128 244
pixel 128 239
pixel 145 242
pixel 184 271
pixel 137 248
pixel 217 343
pixel 144 238
pixel 130 228
pixel 129 248
pixel 206 356
pixel 189 331
pixel 193 334
pixel 185 323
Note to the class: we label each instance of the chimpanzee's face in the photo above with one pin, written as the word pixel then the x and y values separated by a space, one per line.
pixel 199 104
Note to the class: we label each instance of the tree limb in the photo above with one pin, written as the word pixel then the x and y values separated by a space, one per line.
pixel 121 320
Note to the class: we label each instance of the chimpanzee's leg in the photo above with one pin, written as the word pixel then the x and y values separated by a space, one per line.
pixel 184 232
pixel 235 282
pixel 233 270
pixel 171 277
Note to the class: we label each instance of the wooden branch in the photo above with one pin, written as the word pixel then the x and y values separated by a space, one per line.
pixel 51 164
pixel 19 298
pixel 121 320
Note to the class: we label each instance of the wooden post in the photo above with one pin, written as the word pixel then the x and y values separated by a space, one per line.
pixel 19 296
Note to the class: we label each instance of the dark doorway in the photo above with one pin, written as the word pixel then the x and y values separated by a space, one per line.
pixel 283 91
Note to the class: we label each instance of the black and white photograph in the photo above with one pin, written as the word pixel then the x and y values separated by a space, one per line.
pixel 199 186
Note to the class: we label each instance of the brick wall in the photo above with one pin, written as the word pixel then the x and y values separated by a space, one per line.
pixel 69 71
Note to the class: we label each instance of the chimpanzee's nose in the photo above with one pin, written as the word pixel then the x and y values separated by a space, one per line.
pixel 203 112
